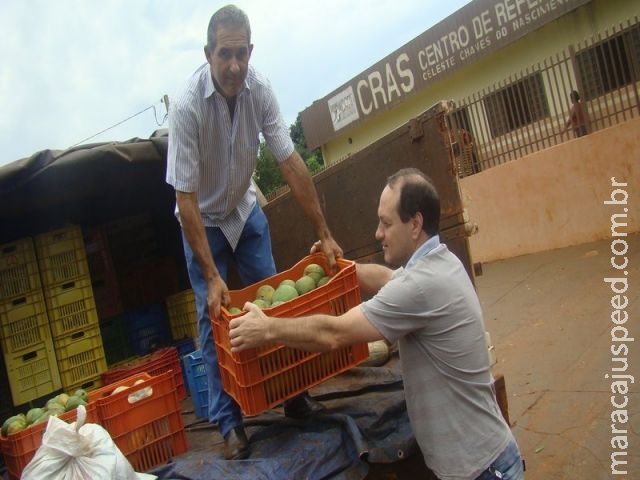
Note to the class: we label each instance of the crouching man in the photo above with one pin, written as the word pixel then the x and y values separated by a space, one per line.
pixel 429 306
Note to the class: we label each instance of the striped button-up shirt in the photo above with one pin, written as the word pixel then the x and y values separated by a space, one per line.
pixel 215 156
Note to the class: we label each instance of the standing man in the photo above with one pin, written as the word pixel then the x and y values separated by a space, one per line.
pixel 429 306
pixel 578 119
pixel 214 128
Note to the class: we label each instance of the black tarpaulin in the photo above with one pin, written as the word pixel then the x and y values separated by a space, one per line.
pixel 88 184
pixel 365 422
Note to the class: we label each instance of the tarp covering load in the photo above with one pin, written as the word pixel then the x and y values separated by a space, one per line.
pixel 365 421
pixel 86 184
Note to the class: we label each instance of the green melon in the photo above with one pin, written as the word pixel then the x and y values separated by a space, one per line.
pixel 305 284
pixel 33 414
pixel 265 292
pixel 284 293
pixel 82 393
pixel 315 271
pixel 12 419
pixel 261 303
pixel 73 402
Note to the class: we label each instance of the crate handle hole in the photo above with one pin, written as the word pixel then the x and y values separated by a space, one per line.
pixel 140 395
pixel 19 301
pixel 30 355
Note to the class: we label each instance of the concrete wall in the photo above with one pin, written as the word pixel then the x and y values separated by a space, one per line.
pixel 555 198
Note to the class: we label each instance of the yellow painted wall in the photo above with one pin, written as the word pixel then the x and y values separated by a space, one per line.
pixel 597 16
pixel 555 198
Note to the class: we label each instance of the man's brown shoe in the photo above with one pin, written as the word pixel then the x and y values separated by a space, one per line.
pixel 236 445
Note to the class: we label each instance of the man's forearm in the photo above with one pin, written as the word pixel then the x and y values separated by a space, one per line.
pixel 303 189
pixel 312 334
pixel 372 277
pixel 193 228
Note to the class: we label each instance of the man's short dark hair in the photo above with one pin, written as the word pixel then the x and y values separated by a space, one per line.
pixel 227 16
pixel 417 194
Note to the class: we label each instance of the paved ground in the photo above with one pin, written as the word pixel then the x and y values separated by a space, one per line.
pixel 549 315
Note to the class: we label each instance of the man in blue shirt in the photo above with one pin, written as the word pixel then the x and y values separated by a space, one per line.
pixel 214 129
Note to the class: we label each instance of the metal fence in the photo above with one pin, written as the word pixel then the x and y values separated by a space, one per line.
pixel 528 111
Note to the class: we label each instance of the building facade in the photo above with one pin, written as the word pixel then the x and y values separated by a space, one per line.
pixel 505 69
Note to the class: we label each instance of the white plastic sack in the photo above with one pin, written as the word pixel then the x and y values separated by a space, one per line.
pixel 77 452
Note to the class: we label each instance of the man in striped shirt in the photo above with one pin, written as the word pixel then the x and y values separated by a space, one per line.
pixel 214 128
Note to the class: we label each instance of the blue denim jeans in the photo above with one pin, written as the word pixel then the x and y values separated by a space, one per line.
pixel 255 262
pixel 508 465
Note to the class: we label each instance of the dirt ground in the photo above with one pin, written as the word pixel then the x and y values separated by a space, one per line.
pixel 549 316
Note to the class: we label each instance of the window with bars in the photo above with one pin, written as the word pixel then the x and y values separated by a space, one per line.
pixel 516 105
pixel 610 64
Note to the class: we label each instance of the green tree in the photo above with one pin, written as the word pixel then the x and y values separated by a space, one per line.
pixel 297 135
pixel 313 164
pixel 267 174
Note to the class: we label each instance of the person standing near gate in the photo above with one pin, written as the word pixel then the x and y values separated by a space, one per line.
pixel 578 119
pixel 214 129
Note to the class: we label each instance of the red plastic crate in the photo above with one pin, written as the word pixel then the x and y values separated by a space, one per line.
pixel 104 278
pixel 155 363
pixel 261 378
pixel 19 448
pixel 145 421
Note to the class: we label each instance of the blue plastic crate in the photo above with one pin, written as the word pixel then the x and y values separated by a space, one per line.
pixel 115 339
pixel 197 383
pixel 148 329
pixel 184 347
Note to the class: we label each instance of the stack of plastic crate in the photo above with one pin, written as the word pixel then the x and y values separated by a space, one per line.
pixel 144 421
pixel 147 273
pixel 71 307
pixel 181 308
pixel 106 293
pixel 197 383
pixel 104 278
pixel 115 339
pixel 160 361
pixel 25 336
pixel 147 328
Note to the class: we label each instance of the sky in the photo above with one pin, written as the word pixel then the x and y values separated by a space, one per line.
pixel 72 69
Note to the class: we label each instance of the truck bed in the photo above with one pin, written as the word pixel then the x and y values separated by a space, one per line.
pixel 364 433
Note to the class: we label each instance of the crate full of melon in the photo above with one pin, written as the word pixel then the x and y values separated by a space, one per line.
pixel 262 378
